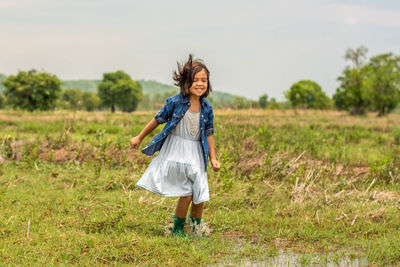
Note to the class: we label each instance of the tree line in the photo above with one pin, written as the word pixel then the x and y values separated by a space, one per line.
pixel 32 90
pixel 372 85
pixel 364 85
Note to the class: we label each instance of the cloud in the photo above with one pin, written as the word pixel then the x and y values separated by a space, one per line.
pixel 351 20
pixel 362 15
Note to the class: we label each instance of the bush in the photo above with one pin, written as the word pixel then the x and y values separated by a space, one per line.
pixel 307 94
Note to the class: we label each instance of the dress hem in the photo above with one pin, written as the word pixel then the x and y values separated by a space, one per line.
pixel 167 195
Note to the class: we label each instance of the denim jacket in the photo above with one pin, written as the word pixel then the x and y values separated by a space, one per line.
pixel 172 113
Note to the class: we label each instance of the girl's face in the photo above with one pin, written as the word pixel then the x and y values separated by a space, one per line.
pixel 199 85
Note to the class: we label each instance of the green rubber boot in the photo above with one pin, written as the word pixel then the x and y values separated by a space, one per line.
pixel 178 226
pixel 196 224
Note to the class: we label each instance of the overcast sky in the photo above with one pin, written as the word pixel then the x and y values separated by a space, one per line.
pixel 251 47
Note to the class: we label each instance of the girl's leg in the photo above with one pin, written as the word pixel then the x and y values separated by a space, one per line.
pixel 182 206
pixel 180 215
pixel 196 211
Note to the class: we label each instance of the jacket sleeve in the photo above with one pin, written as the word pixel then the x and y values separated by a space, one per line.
pixel 165 113
pixel 209 125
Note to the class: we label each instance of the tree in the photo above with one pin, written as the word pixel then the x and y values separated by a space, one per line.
pixel 72 98
pixel 384 82
pixel 263 101
pixel 90 101
pixel 32 90
pixel 241 103
pixel 118 89
pixel 2 100
pixel 357 56
pixel 307 94
pixel 133 95
pixel 352 93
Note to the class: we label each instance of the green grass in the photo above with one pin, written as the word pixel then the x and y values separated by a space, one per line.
pixel 311 183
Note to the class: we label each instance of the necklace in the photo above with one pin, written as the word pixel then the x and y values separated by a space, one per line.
pixel 193 122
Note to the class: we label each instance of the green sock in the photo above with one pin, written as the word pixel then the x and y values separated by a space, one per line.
pixel 178 226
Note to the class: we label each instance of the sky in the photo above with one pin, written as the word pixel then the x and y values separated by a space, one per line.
pixel 251 48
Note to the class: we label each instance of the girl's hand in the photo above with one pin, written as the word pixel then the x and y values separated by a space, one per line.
pixel 215 164
pixel 135 142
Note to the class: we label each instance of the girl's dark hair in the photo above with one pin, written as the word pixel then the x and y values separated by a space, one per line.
pixel 184 77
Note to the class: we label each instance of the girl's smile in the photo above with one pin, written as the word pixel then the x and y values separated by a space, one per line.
pixel 199 85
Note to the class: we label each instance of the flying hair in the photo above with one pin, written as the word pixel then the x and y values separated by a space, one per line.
pixel 184 76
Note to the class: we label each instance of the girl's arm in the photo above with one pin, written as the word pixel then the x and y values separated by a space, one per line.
pixel 135 141
pixel 214 162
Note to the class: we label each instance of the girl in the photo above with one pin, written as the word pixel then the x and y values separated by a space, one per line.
pixel 179 170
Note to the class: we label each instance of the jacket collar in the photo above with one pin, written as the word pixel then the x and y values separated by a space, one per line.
pixel 185 100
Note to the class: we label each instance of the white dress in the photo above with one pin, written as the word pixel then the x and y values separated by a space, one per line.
pixel 178 170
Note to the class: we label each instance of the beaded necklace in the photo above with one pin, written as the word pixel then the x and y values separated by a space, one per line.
pixel 193 121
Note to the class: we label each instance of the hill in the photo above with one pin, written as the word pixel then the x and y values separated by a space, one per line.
pixel 150 87
pixel 83 85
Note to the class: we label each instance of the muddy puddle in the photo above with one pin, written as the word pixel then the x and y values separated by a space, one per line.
pixel 202 230
pixel 294 259
pixel 284 258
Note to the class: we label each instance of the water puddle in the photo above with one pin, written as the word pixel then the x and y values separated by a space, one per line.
pixel 295 259
pixel 284 258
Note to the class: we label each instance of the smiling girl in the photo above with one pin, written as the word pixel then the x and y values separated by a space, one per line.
pixel 185 143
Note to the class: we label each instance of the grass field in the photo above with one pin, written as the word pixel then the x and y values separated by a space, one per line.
pixel 312 182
